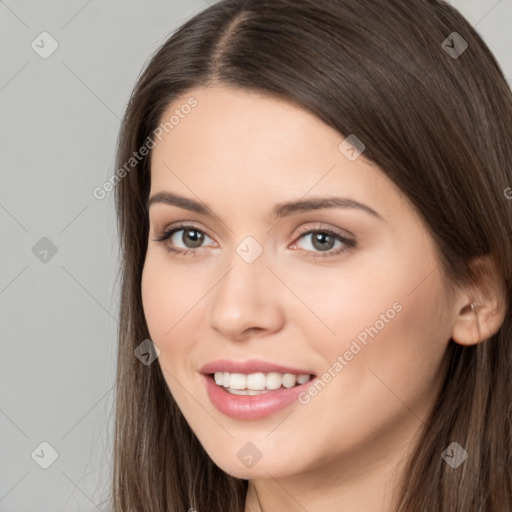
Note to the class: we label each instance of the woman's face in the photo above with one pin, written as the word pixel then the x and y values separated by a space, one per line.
pixel 352 297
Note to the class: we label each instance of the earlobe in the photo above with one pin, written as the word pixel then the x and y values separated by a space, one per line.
pixel 483 308
pixel 466 330
pixel 477 322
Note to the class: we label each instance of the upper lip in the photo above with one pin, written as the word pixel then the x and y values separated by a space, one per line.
pixel 249 366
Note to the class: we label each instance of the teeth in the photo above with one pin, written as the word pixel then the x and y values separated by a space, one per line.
pixel 237 381
pixel 254 383
pixel 289 380
pixel 301 379
pixel 246 391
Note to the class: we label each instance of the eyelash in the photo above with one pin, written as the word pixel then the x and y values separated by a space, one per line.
pixel 348 244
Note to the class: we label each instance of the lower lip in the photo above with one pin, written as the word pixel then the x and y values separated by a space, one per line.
pixel 252 407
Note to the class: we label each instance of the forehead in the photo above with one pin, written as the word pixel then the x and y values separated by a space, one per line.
pixel 249 147
pixel 245 122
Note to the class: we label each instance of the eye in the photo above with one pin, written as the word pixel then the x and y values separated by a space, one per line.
pixel 191 236
pixel 322 242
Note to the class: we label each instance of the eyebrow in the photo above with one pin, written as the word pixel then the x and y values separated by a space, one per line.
pixel 280 210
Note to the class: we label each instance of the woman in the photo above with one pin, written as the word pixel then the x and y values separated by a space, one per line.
pixel 315 220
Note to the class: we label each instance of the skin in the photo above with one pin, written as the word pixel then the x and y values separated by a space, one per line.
pixel 241 153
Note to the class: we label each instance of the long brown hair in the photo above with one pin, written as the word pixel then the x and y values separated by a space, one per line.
pixel 438 123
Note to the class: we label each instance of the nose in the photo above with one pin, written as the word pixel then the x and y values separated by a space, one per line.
pixel 246 302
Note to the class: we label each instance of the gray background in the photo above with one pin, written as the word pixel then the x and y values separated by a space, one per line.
pixel 60 117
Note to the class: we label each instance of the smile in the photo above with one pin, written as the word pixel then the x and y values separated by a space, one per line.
pixel 254 404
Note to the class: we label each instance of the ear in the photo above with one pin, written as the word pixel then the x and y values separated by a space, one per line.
pixel 480 307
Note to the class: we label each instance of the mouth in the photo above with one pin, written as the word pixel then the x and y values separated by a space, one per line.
pixel 258 383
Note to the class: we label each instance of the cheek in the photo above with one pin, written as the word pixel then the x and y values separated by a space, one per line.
pixel 380 320
pixel 154 298
pixel 167 295
pixel 162 311
pixel 399 361
pixel 337 306
pixel 173 309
